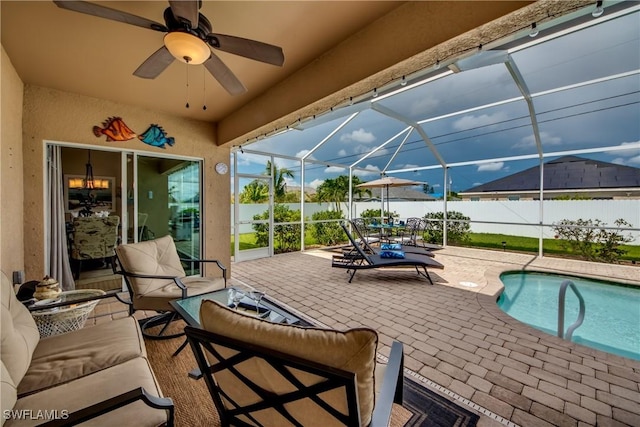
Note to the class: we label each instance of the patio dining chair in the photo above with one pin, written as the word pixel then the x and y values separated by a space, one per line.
pixel 365 261
pixel 383 246
pixel 154 275
pixel 261 373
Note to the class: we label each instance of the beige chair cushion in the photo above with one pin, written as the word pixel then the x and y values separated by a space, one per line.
pixel 353 350
pixel 65 357
pixel 160 257
pixel 98 387
pixel 19 333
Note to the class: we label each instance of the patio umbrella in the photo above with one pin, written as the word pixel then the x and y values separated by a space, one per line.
pixel 389 181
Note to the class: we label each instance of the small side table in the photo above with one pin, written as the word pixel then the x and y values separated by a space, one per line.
pixel 68 312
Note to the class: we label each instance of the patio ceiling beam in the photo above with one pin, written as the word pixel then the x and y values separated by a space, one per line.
pixel 395 154
pixel 380 147
pixel 630 146
pixel 328 137
pixel 395 115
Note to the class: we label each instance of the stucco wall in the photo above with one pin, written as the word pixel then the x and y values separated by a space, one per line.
pixel 51 115
pixel 11 186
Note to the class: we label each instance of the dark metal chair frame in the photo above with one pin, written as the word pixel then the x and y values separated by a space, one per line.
pixel 363 261
pixel 202 341
pixel 371 250
pixel 166 317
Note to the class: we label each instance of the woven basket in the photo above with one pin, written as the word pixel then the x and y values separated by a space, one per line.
pixel 67 318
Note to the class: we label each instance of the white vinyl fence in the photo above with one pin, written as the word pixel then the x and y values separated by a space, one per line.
pixel 522 212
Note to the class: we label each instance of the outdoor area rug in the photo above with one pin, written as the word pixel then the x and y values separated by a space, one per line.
pixel 430 409
pixel 194 406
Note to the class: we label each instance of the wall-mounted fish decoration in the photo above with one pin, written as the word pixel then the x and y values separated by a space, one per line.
pixel 115 129
pixel 156 136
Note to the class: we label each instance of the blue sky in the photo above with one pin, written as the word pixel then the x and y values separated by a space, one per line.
pixel 591 112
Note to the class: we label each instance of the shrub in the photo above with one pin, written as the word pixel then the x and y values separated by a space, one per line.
pixel 590 239
pixel 327 233
pixel 286 236
pixel 376 214
pixel 457 227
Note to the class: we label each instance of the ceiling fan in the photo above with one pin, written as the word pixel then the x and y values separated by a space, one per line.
pixel 189 38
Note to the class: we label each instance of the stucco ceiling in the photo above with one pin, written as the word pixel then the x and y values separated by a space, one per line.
pixel 78 53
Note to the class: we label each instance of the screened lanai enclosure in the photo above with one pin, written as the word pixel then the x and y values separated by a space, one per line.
pixel 512 139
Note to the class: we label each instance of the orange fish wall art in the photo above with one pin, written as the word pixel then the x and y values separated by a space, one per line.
pixel 115 129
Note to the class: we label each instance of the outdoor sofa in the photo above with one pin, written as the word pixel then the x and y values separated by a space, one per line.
pixel 96 370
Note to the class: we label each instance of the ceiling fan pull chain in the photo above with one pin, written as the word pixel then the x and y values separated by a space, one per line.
pixel 204 90
pixel 187 106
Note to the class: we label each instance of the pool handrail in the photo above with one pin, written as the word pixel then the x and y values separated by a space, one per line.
pixel 561 298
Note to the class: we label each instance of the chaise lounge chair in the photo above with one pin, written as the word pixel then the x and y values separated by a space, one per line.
pixel 370 250
pixel 363 261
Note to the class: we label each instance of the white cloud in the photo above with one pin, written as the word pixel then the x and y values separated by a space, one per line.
pixel 342 152
pixel 471 121
pixel 423 106
pixel 375 172
pixel 545 138
pixel 316 183
pixel 618 161
pixel 635 160
pixel 632 161
pixel 410 166
pixel 364 149
pixel 359 135
pixel 625 153
pixel 301 153
pixel 436 186
pixel 334 169
pixel 490 167
pixel 475 184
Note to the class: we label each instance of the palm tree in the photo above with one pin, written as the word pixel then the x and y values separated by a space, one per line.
pixel 279 180
pixel 255 192
pixel 336 190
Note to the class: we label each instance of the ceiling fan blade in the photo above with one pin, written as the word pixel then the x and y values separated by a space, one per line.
pixel 224 75
pixel 186 10
pixel 108 13
pixel 155 64
pixel 252 49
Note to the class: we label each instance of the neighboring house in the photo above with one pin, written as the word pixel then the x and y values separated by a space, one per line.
pixel 565 177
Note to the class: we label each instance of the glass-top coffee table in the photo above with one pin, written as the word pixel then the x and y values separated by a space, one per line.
pixel 267 308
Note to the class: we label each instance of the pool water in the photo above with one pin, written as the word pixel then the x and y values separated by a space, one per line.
pixel 612 311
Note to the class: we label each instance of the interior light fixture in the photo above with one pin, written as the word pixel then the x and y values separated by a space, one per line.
pixel 534 30
pixel 186 47
pixel 89 182
pixel 375 92
pixel 403 82
pixel 598 11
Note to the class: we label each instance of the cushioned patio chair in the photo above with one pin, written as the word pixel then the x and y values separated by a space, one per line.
pixel 93 238
pixel 360 260
pixel 383 246
pixel 154 276
pixel 261 373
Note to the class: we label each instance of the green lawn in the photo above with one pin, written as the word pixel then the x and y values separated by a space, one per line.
pixel 530 244
pixel 482 240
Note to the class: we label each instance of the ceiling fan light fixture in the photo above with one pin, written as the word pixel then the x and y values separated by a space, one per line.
pixel 186 47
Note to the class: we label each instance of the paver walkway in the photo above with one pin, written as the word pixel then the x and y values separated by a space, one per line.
pixel 456 337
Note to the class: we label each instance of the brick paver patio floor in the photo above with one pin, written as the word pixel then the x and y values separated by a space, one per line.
pixel 456 337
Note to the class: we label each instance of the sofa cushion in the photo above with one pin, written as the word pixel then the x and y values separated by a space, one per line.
pixel 61 358
pixel 19 333
pixel 8 393
pixel 353 350
pixel 98 387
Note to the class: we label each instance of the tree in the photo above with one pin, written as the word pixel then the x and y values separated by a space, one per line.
pixel 255 192
pixel 591 240
pixel 336 190
pixel 279 181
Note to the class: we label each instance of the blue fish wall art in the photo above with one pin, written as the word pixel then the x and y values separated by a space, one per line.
pixel 156 137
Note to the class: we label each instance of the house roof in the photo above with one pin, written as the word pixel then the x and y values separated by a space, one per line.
pixel 566 173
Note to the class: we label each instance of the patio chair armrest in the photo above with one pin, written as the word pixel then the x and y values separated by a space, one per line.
pixel 116 402
pixel 391 389
pixel 218 263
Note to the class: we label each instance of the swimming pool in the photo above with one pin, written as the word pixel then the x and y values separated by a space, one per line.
pixel 612 311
